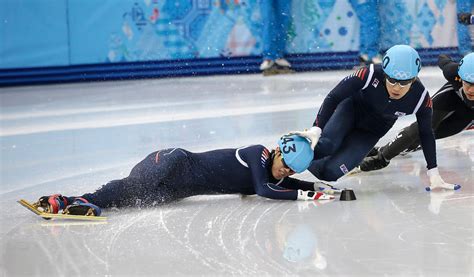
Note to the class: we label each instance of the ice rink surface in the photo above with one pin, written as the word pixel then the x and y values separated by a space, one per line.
pixel 73 138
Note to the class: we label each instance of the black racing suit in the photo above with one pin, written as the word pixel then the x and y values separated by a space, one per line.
pixel 452 113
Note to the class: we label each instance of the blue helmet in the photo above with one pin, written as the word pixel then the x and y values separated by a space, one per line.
pixel 300 244
pixel 401 62
pixel 296 152
pixel 466 68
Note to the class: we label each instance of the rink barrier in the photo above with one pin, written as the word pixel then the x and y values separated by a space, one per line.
pixel 190 67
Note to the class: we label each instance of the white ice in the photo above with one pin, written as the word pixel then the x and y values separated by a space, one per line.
pixel 73 138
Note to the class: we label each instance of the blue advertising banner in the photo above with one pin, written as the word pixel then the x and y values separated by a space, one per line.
pixel 33 33
pixel 80 32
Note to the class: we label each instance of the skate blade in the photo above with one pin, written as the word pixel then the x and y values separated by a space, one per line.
pixel 66 223
pixel 44 215
pixel 330 191
pixel 355 171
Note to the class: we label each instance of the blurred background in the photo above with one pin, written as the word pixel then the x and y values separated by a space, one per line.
pixel 83 40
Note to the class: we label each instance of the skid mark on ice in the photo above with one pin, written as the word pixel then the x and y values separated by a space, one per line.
pixel 197 254
pixel 46 250
pixel 450 235
pixel 121 228
pixel 219 227
pixel 73 265
pixel 93 254
pixel 189 242
pixel 221 240
pixel 270 262
pixel 243 241
pixel 458 198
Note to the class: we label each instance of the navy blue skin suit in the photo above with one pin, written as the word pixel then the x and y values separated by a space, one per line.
pixel 172 174
pixel 357 113
pixel 452 112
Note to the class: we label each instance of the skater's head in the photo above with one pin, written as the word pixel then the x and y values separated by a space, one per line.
pixel 401 64
pixel 293 155
pixel 466 72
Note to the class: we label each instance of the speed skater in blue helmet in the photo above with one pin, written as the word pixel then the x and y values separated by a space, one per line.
pixel 296 151
pixel 401 64
pixel 466 73
pixel 171 174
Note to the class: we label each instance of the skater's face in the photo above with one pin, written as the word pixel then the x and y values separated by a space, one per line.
pixel 279 169
pixel 468 90
pixel 397 89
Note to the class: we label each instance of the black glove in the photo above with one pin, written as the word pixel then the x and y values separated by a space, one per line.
pixel 465 18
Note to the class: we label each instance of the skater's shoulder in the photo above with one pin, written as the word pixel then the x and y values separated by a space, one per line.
pixel 253 148
pixel 417 86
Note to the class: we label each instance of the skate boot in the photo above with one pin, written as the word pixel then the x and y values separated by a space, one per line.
pixel 283 63
pixel 374 163
pixel 68 205
pixel 410 149
pixel 326 187
pixel 81 206
pixel 373 152
pixel 51 203
pixel 266 64
pixel 279 66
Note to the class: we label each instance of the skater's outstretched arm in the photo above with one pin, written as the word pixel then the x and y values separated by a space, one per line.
pixel 345 89
pixel 270 171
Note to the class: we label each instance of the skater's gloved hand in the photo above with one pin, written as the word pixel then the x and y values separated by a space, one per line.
pixel 325 187
pixel 465 18
pixel 313 195
pixel 312 134
pixel 437 182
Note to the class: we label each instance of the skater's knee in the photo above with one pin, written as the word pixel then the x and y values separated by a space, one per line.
pixel 314 168
pixel 410 131
pixel 325 174
pixel 331 174
pixel 325 148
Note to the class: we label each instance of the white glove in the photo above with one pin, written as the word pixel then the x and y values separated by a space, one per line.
pixel 325 187
pixel 313 195
pixel 312 134
pixel 437 182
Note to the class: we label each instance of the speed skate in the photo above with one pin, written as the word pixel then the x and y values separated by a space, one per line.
pixel 36 209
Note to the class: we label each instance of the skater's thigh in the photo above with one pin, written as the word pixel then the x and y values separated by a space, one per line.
pixel 351 153
pixel 130 192
pixel 453 124
pixel 159 164
pixel 337 128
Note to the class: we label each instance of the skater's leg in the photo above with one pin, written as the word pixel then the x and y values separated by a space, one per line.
pixel 153 181
pixel 454 123
pixel 353 150
pixel 336 129
pixel 409 137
